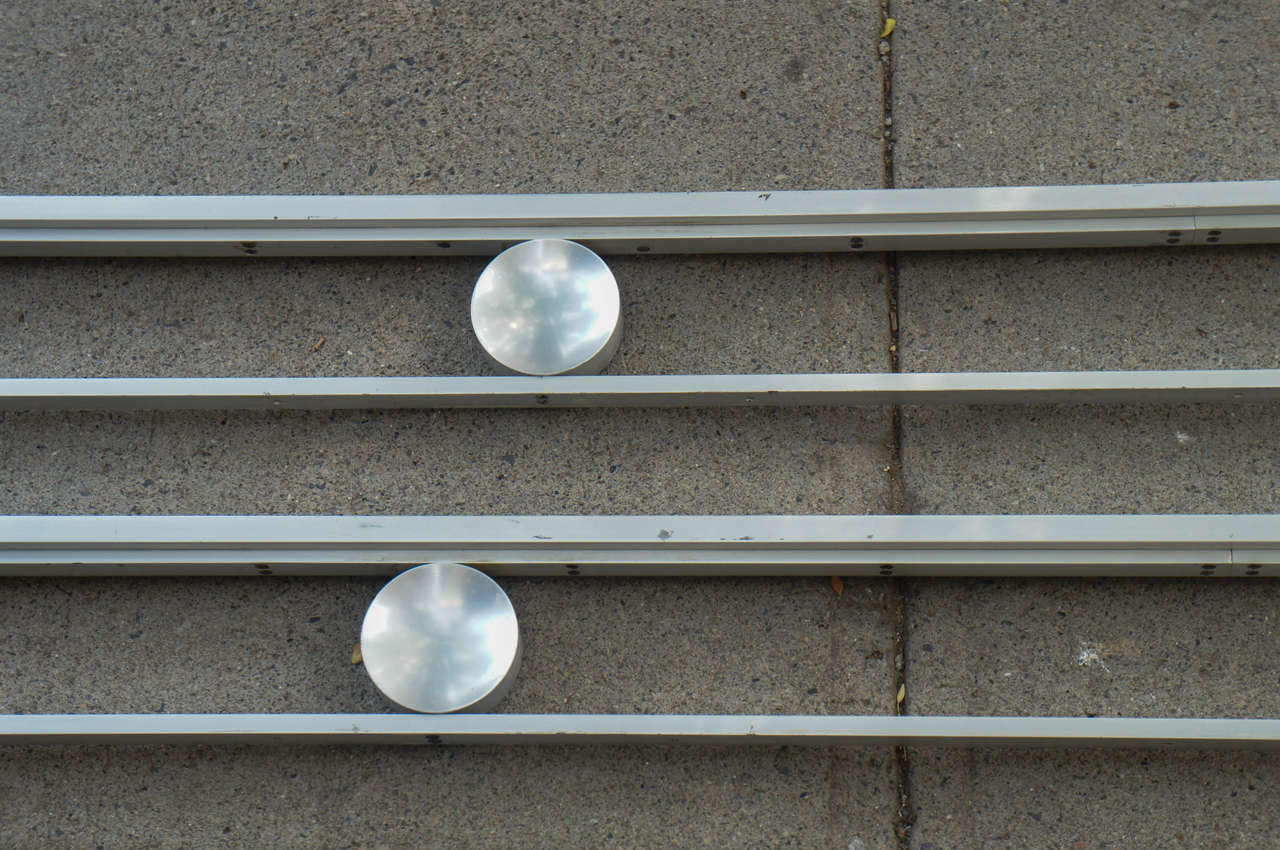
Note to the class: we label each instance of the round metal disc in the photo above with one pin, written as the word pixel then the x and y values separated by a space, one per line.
pixel 548 307
pixel 441 638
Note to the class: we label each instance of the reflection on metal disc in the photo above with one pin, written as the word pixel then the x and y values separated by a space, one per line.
pixel 548 307
pixel 441 638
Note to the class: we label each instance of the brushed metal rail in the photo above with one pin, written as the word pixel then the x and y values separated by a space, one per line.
pixel 954 388
pixel 1155 214
pixel 1207 546
pixel 579 729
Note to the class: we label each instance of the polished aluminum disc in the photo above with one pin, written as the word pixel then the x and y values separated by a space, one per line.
pixel 548 307
pixel 440 638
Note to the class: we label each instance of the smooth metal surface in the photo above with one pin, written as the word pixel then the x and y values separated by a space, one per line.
pixel 441 638
pixel 955 388
pixel 1157 214
pixel 1209 546
pixel 547 307
pixel 638 729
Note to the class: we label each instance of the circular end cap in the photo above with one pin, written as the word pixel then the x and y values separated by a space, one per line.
pixel 547 307
pixel 441 638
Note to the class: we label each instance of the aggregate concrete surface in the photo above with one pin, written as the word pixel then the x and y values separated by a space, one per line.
pixel 1009 93
pixel 170 97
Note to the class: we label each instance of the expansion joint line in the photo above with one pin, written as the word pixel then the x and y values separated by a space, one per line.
pixel 904 815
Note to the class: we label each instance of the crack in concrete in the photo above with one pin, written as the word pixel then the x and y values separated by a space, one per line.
pixel 904 813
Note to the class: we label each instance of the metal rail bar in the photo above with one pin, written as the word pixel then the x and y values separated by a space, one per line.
pixel 1156 214
pixel 636 729
pixel 958 388
pixel 1170 545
